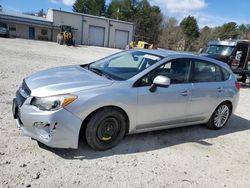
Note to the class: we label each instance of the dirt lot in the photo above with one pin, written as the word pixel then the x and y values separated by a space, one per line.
pixel 184 157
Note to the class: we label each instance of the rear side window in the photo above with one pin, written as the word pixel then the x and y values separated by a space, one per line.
pixel 204 71
pixel 226 74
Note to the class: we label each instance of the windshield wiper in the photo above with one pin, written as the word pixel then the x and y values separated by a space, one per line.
pixel 100 72
pixel 86 66
pixel 95 70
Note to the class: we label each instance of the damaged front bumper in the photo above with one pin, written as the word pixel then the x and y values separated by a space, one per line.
pixel 57 129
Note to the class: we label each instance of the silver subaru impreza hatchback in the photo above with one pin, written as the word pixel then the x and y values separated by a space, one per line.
pixel 129 92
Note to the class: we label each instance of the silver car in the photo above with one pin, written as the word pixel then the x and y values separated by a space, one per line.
pixel 129 92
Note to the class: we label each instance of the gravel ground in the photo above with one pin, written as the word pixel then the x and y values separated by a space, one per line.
pixel 184 157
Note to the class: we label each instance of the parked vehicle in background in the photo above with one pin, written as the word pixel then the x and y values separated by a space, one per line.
pixel 236 53
pixel 129 92
pixel 4 32
pixel 65 36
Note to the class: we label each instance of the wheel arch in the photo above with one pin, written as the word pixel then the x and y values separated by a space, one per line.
pixel 224 101
pixel 86 120
pixel 230 104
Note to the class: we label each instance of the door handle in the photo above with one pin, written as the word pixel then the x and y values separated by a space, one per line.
pixel 185 93
pixel 219 89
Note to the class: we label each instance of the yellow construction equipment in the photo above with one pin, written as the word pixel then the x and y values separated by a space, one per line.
pixel 65 36
pixel 141 44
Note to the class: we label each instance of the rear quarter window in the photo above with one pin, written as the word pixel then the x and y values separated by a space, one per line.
pixel 225 73
pixel 204 71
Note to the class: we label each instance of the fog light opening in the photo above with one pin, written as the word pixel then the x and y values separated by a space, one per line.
pixel 41 124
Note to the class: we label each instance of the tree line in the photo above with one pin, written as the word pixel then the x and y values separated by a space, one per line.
pixel 39 13
pixel 187 36
pixel 152 26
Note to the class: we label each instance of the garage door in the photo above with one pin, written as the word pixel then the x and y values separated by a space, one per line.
pixel 96 36
pixel 121 38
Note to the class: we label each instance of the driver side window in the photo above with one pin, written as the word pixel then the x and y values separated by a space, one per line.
pixel 177 70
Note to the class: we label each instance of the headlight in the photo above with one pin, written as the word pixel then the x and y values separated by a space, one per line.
pixel 53 103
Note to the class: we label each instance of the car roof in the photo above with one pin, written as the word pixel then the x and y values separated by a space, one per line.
pixel 167 53
pixel 158 52
pixel 227 42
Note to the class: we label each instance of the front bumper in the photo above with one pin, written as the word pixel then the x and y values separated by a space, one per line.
pixel 57 129
pixel 4 34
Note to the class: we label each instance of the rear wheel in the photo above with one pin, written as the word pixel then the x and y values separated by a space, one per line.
pixel 106 128
pixel 220 116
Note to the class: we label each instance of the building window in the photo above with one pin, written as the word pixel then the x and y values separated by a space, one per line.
pixel 12 28
pixel 44 32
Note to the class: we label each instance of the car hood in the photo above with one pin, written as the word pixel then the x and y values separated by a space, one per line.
pixel 62 80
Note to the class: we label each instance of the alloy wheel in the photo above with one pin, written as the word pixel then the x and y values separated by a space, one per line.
pixel 221 116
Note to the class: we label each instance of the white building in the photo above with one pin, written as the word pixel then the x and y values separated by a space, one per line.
pixel 87 29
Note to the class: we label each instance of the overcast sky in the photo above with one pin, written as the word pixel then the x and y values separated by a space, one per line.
pixel 207 12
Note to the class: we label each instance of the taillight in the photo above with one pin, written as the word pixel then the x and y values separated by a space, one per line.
pixel 237 85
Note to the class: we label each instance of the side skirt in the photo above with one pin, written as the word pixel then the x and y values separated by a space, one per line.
pixel 168 124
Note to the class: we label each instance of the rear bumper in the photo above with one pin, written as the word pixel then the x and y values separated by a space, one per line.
pixel 57 129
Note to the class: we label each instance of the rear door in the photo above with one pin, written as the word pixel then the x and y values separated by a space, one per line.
pixel 31 33
pixel 208 89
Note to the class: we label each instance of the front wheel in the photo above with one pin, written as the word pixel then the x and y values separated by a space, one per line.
pixel 106 128
pixel 220 116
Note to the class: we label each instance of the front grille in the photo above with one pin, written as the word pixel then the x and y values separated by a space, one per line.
pixel 22 93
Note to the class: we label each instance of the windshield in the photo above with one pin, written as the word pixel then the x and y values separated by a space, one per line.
pixel 124 65
pixel 220 50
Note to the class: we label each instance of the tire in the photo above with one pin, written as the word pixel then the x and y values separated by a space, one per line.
pixel 106 128
pixel 220 116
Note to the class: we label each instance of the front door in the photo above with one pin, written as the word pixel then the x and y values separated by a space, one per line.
pixel 241 55
pixel 31 33
pixel 165 106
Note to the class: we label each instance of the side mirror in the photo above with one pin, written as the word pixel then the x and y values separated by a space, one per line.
pixel 231 57
pixel 135 58
pixel 160 81
pixel 238 55
pixel 201 51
